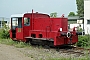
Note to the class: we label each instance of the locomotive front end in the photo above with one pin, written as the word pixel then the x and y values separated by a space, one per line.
pixel 64 36
pixel 67 37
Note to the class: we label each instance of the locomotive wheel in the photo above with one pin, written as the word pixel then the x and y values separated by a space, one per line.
pixel 57 49
pixel 45 43
pixel 31 42
pixel 47 46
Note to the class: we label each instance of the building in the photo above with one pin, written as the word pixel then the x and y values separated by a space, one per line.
pixel 87 16
pixel 75 21
pixel 4 20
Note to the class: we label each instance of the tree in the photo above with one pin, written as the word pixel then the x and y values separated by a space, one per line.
pixel 80 7
pixel 71 14
pixel 54 14
pixel 4 32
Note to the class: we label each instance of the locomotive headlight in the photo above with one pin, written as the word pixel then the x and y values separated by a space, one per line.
pixel 60 29
pixel 76 29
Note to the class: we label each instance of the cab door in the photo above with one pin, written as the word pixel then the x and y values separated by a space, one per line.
pixel 19 30
pixel 16 31
pixel 26 26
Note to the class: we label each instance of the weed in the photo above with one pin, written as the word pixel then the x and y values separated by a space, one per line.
pixel 14 43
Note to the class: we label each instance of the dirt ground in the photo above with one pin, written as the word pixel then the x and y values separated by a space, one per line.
pixel 8 52
pixel 11 53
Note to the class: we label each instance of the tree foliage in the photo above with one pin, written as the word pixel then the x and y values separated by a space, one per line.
pixel 54 14
pixel 71 14
pixel 80 7
pixel 4 31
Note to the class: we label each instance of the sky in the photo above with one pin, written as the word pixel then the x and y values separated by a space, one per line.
pixel 10 7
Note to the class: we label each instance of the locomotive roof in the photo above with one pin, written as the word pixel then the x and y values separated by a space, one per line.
pixel 17 15
pixel 21 15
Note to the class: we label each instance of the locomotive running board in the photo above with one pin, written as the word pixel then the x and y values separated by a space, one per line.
pixel 38 38
pixel 28 37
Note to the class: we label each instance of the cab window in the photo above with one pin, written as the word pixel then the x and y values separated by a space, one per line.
pixel 26 21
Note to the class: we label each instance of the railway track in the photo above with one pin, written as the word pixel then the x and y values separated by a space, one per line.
pixel 77 51
pixel 71 50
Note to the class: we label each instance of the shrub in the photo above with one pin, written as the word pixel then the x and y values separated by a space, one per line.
pixel 83 41
pixel 4 34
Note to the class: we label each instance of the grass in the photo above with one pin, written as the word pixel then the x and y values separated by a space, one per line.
pixel 14 43
pixel 68 58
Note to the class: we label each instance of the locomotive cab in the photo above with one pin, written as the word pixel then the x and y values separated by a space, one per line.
pixel 16 22
pixel 19 24
pixel 23 24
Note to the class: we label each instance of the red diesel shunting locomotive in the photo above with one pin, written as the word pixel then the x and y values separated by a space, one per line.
pixel 38 27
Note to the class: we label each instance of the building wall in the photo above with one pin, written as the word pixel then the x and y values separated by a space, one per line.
pixel 72 21
pixel 87 16
pixel 76 25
